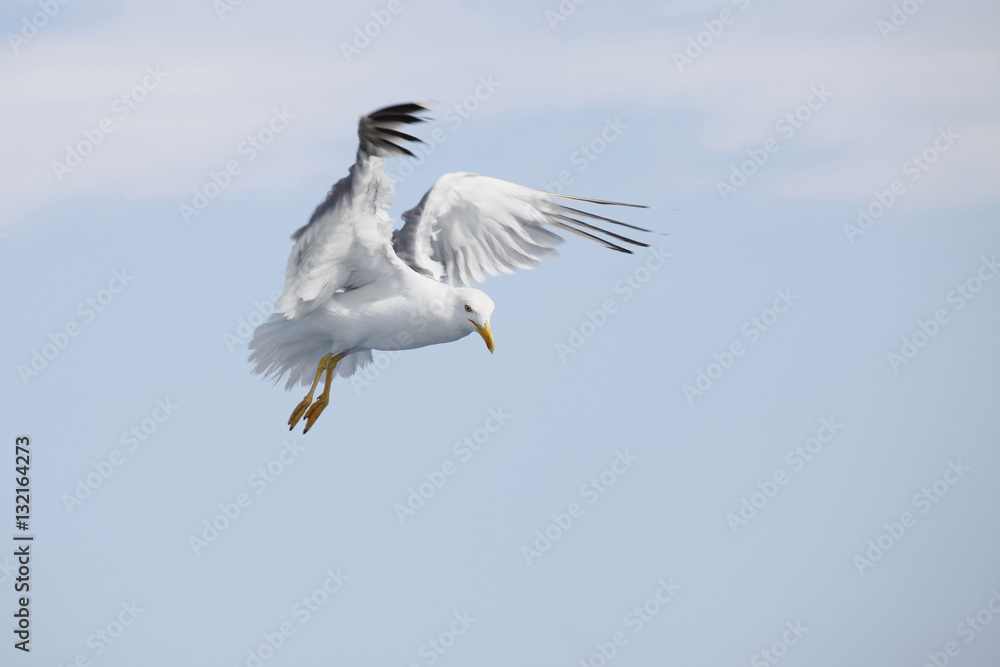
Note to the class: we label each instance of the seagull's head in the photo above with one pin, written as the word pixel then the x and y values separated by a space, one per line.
pixel 474 310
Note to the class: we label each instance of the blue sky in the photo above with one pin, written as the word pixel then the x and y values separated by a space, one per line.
pixel 817 351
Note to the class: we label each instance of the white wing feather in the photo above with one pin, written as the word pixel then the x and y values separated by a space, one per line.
pixel 469 226
pixel 345 245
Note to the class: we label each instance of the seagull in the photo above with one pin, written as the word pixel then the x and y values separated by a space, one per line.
pixel 354 284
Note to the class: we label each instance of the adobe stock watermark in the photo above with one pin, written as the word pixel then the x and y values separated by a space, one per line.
pixel 796 458
pixel 923 500
pixel 786 126
pixel 224 8
pixel 968 629
pixel 366 33
pixel 752 331
pixel 926 330
pixel 434 648
pixel 701 41
pixel 7 569
pixel 245 325
pixel 34 23
pixel 259 481
pixel 561 12
pixel 629 284
pixel 87 310
pixel 586 154
pixel 132 440
pixel 105 636
pixel 455 115
pixel 382 359
pixel 592 490
pixel 913 169
pixel 248 150
pixel 899 16
pixel 121 109
pixel 436 478
pixel 794 631
pixel 636 619
pixel 302 611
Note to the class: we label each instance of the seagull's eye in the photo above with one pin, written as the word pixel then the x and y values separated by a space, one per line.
pixel 468 308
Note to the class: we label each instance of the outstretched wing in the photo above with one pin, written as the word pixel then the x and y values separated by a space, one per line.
pixel 468 226
pixel 345 245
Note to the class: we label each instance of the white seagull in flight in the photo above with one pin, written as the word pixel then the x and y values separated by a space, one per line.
pixel 354 285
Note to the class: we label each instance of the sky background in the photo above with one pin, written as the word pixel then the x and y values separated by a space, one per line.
pixel 522 88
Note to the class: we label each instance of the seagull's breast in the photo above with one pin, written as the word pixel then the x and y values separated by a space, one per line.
pixel 384 317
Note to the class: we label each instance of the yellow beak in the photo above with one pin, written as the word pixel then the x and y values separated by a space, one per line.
pixel 487 335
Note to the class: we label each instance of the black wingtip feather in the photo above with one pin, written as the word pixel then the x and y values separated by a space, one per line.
pixel 399 135
pixel 391 147
pixel 588 235
pixel 581 223
pixel 377 134
pixel 408 108
pixel 601 217
pixel 602 202
pixel 400 118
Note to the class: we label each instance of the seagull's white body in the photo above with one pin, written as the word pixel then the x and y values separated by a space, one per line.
pixel 347 290
pixel 353 285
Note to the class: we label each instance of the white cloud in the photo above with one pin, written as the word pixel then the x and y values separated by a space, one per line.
pixel 224 77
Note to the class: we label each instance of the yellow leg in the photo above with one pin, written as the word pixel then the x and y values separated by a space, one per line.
pixel 324 399
pixel 301 407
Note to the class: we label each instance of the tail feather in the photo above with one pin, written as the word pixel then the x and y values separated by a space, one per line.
pixel 281 346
